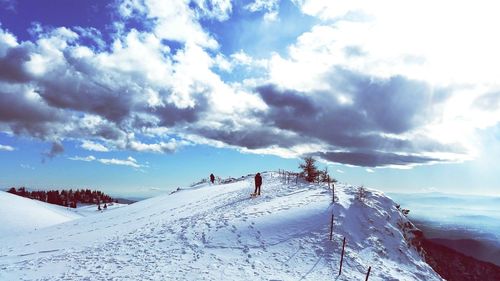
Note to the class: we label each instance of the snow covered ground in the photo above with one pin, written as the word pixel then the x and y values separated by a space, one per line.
pixel 20 215
pixel 88 210
pixel 216 232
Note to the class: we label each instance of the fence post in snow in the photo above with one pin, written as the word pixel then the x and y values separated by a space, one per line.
pixel 296 178
pixel 331 228
pixel 368 273
pixel 342 256
pixel 333 193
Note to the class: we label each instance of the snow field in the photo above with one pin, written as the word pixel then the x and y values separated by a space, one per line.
pixel 216 232
pixel 20 215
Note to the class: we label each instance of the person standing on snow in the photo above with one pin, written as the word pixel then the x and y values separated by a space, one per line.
pixel 258 183
pixel 212 178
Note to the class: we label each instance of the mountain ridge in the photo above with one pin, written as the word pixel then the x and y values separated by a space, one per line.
pixel 213 232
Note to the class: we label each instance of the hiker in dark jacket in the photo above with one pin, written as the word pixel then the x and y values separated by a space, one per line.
pixel 212 178
pixel 258 183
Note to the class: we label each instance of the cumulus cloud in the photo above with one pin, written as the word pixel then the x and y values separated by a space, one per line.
pixel 56 87
pixel 176 20
pixel 397 40
pixel 365 86
pixel 12 65
pixel 269 7
pixel 6 148
pixel 369 122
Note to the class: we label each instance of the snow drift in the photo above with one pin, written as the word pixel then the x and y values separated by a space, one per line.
pixel 216 232
pixel 19 215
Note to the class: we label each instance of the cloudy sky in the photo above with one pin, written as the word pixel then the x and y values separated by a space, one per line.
pixel 134 96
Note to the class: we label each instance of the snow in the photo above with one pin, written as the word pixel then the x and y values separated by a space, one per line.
pixel 217 232
pixel 20 215
pixel 88 210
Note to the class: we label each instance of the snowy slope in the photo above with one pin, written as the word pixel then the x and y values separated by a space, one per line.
pixel 20 215
pixel 219 233
pixel 89 210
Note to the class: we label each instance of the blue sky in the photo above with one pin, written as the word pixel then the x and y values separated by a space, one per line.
pixel 136 97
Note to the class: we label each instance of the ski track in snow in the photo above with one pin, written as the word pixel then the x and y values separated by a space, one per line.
pixel 219 233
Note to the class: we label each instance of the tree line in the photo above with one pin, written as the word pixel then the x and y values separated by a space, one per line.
pixel 67 198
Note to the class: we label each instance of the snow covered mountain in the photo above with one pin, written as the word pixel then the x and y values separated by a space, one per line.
pixel 217 232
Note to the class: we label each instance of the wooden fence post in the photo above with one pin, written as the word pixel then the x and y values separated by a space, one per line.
pixel 296 178
pixel 342 256
pixel 333 194
pixel 331 228
pixel 368 273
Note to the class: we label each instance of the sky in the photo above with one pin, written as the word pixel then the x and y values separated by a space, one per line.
pixel 136 97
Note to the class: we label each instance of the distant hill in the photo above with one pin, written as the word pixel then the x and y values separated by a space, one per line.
pixel 125 200
pixel 455 266
pixel 478 249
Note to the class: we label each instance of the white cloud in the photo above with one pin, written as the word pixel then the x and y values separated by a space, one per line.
pixel 218 9
pixel 130 161
pixel 93 146
pixel 26 166
pixel 89 158
pixel 175 20
pixel 160 147
pixel 422 40
pixel 6 148
pixel 370 170
pixel 269 7
pixel 340 171
pixel 242 58
pixel 138 86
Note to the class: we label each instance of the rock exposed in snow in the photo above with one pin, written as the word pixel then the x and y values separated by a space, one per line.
pixel 217 232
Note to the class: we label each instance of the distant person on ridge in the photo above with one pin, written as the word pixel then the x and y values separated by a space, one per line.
pixel 258 183
pixel 212 178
